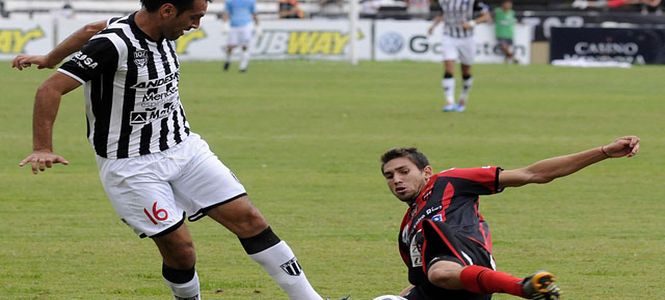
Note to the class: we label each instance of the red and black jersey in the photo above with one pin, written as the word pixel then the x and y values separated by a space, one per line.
pixel 450 197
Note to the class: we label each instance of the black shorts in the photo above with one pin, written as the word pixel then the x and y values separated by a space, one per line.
pixel 443 243
pixel 504 41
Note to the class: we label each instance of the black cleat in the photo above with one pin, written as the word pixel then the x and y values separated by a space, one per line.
pixel 226 66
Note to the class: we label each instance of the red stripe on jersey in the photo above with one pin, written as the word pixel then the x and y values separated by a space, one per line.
pixel 487 236
pixel 615 3
pixel 448 193
pixel 487 179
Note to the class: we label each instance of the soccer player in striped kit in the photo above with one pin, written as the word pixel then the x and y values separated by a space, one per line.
pixel 154 169
pixel 459 17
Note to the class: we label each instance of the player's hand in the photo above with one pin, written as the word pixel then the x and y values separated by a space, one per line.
pixel 469 24
pixel 627 146
pixel 23 61
pixel 40 160
pixel 430 30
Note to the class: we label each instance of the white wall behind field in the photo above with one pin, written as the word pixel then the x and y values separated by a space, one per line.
pixel 318 39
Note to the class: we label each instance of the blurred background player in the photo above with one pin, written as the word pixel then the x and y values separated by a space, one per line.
pixel 504 28
pixel 459 19
pixel 444 240
pixel 239 15
pixel 290 9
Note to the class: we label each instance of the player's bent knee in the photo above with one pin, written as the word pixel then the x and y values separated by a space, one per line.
pixel 445 274
pixel 240 217
pixel 177 249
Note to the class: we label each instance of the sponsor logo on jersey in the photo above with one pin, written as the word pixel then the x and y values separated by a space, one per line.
pixel 291 267
pixel 84 61
pixel 140 58
pixel 15 40
pixel 437 218
pixel 151 113
pixel 154 83
pixel 153 99
pixel 415 249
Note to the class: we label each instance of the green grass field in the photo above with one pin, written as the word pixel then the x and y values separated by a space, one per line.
pixel 305 137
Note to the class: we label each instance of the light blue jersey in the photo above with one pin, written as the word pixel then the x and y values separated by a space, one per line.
pixel 240 11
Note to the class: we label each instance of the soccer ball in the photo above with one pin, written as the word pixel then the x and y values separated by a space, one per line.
pixel 389 297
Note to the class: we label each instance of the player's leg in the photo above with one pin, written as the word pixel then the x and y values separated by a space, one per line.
pixel 507 49
pixel 231 43
pixel 467 50
pixel 208 187
pixel 178 266
pixel 504 45
pixel 142 197
pixel 245 41
pixel 229 54
pixel 467 83
pixel 448 82
pixel 457 263
pixel 244 59
pixel 264 246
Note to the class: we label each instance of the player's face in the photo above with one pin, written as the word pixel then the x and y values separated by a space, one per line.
pixel 404 178
pixel 186 20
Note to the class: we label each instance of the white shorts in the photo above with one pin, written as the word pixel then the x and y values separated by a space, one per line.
pixel 153 193
pixel 241 36
pixel 459 49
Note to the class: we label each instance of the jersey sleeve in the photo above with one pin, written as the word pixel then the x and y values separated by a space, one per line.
pixel 97 55
pixel 112 20
pixel 478 181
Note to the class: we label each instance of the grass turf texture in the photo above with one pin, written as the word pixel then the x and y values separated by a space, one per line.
pixel 305 137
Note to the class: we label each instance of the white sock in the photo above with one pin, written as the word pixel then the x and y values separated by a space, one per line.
pixel 448 85
pixel 466 88
pixel 281 264
pixel 244 60
pixel 186 291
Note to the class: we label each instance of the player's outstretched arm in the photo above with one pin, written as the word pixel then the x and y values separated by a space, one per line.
pixel 435 22
pixel 71 44
pixel 47 103
pixel 549 169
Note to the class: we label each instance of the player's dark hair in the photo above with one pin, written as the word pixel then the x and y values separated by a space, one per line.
pixel 180 5
pixel 415 156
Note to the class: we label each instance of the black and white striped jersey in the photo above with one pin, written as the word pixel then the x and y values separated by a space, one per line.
pixel 457 12
pixel 131 90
